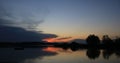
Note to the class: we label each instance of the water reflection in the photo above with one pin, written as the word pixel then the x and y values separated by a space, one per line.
pixel 31 55
pixel 117 53
pixel 52 49
pixel 107 53
pixel 10 55
pixel 93 53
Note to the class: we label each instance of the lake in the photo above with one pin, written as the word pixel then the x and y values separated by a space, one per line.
pixel 58 55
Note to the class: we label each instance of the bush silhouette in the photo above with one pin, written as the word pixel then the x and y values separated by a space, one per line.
pixel 93 40
pixel 117 41
pixel 106 40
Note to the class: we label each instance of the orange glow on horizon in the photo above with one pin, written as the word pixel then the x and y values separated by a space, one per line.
pixel 48 39
pixel 51 40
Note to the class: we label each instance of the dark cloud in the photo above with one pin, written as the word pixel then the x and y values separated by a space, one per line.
pixel 64 38
pixel 10 33
pixel 17 34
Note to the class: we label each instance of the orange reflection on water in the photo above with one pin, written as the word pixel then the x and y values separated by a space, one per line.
pixel 52 49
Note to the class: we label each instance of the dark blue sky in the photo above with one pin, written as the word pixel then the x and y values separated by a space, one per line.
pixel 75 18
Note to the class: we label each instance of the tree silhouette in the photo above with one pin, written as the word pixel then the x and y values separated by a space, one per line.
pixel 106 40
pixel 93 40
pixel 117 41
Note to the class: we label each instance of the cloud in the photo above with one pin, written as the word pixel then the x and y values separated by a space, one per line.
pixel 18 23
pixel 64 38
pixel 22 14
pixel 57 39
pixel 17 34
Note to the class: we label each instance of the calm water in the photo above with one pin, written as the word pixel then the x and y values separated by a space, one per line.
pixel 57 55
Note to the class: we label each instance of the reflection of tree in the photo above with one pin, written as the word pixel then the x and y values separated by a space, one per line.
pixel 65 48
pixel 93 53
pixel 74 46
pixel 117 53
pixel 107 53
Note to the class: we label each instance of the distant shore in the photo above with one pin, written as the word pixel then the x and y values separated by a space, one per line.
pixel 61 45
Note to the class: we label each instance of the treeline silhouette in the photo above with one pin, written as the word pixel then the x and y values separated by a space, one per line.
pixel 107 45
pixel 106 42
pixel 93 41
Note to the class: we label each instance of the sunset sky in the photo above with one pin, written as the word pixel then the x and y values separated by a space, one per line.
pixel 64 18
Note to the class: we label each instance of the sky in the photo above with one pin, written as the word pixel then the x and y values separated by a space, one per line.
pixel 63 18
